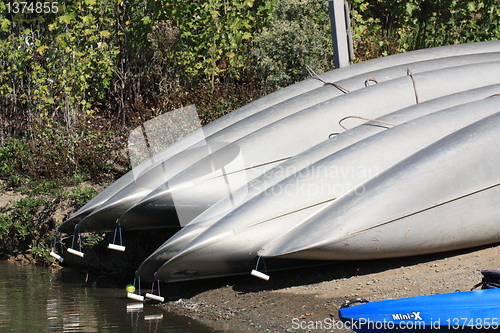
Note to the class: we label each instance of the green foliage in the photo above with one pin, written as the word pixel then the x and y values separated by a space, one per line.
pixel 12 158
pixel 215 34
pixel 7 154
pixel 172 49
pixel 57 158
pixel 92 239
pixel 383 27
pixel 299 35
pixel 5 224
pixel 55 72
pixel 44 187
pixel 122 59
pixel 20 221
pixel 57 66
pixel 40 248
pixel 26 208
pixel 24 228
pixel 81 195
pixel 70 81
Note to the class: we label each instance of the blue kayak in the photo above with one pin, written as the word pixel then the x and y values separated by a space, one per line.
pixel 469 311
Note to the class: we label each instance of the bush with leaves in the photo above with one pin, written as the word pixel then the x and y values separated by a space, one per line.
pixel 215 34
pixel 56 66
pixel 383 27
pixel 299 35
pixel 22 229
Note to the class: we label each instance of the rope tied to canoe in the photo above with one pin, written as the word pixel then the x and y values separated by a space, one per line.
pixel 131 290
pixel 76 234
pixel 118 229
pixel 54 243
pixel 263 263
pixel 157 280
pixel 316 76
pixel 362 118
pixel 490 280
pixel 494 95
pixel 370 79
pixel 137 279
pixel 410 74
pixel 54 253
pixel 255 272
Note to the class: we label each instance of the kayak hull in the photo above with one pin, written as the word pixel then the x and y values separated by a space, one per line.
pixel 470 311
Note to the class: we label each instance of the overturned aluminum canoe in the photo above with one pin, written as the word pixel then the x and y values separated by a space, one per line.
pixel 441 198
pixel 235 117
pixel 298 163
pixel 196 188
pixel 230 246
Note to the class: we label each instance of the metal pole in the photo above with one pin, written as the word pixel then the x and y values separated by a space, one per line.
pixel 342 46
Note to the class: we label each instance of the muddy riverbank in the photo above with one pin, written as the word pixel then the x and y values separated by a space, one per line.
pixel 307 300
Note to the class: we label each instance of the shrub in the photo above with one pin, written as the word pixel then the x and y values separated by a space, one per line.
pixel 385 27
pixel 21 220
pixel 299 35
pixel 81 195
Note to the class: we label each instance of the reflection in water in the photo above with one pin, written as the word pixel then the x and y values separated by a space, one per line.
pixel 35 299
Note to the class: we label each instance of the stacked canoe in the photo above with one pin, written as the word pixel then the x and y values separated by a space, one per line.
pixel 396 156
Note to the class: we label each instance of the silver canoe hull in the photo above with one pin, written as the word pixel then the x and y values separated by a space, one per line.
pixel 283 95
pixel 444 197
pixel 299 162
pixel 269 146
pixel 237 238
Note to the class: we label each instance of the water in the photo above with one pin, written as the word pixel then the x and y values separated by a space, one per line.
pixel 37 299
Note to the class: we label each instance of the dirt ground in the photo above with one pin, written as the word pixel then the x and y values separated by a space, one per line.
pixel 308 299
pixel 8 197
